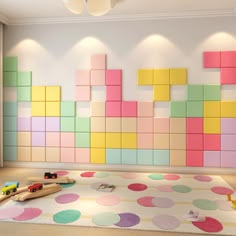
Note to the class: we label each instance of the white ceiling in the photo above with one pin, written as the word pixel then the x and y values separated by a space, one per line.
pixel 44 11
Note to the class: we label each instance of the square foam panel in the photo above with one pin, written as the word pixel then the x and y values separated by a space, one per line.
pixel 24 109
pixel 38 154
pixel 113 156
pixel 195 109
pixel 129 125
pixel 38 93
pixel 161 125
pixel 24 154
pixel 212 92
pixel 24 139
pixel 228 159
pixel 9 153
pixel 113 93
pixel 9 94
pixel 129 140
pixel 178 141
pixel 67 139
pixel 161 76
pixel 10 64
pixel 98 156
pixel 129 156
pixel 10 123
pixel 53 108
pixel 194 125
pixel 53 124
pixel 98 140
pixel 98 109
pixel 68 124
pixel 178 93
pixel 195 92
pixel 228 109
pixel 67 155
pixel 82 93
pixel 228 142
pixel 53 139
pixel 178 76
pixel 162 109
pixel 82 77
pixel 98 77
pixel 38 139
pixel 83 124
pixel 145 125
pixel 161 92
pixel 129 108
pixel 145 141
pixel 212 159
pixel 98 61
pixel 228 59
pixel 68 108
pixel 98 124
pixel 82 155
pixel 212 142
pixel 211 59
pixel 53 93
pixel 24 124
pixel 212 125
pixel 24 94
pixel 212 108
pixel 161 141
pixel 9 79
pixel 228 126
pixel 177 158
pixel 24 78
pixel 145 76
pixel 82 140
pixel 113 140
pixel 228 75
pixel 114 77
pixel 194 141
pixel 53 154
pixel 194 158
pixel 161 157
pixel 145 157
pixel 10 108
pixel 113 125
pixel 178 125
pixel 38 108
pixel 178 109
pixel 145 109
pixel 9 138
pixel 38 123
pixel 113 109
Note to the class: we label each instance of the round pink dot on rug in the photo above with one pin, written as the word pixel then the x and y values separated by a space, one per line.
pixel 224 205
pixel 203 178
pixel 129 175
pixel 137 187
pixel 62 172
pixel 162 202
pixel 210 225
pixel 166 222
pixel 221 190
pixel 165 188
pixel 88 174
pixel 146 201
pixel 171 177
pixel 67 198
pixel 28 214
pixel 10 212
pixel 108 200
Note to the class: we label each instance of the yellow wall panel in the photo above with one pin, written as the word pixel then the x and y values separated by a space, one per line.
pixel 113 140
pixel 162 76
pixel 53 93
pixel 98 140
pixel 38 108
pixel 212 109
pixel 228 109
pixel 98 156
pixel 145 76
pixel 53 109
pixel 178 76
pixel 212 125
pixel 161 92
pixel 38 93
pixel 129 140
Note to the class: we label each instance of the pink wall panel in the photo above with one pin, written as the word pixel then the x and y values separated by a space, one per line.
pixel 67 139
pixel 228 142
pixel 145 141
pixel 228 75
pixel 97 77
pixel 228 59
pixel 194 141
pixel 38 139
pixel 212 142
pixel 162 125
pixel 195 125
pixel 24 124
pixel 38 124
pixel 98 61
pixel 195 158
pixel 82 155
pixel 129 109
pixel 211 59
pixel 145 109
pixel 228 159
pixel 113 109
pixel 113 77
pixel 228 125
pixel 113 93
pixel 68 155
pixel 53 139
pixel 82 77
pixel 145 125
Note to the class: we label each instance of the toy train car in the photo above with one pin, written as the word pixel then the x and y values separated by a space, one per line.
pixel 35 187
pixel 9 189
pixel 48 175
pixel 11 182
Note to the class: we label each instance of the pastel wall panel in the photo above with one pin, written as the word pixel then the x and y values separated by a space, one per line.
pixel 145 157
pixel 24 124
pixel 228 159
pixel 98 140
pixel 129 157
pixel 211 59
pixel 145 76
pixel 82 93
pixel 98 108
pixel 145 141
pixel 38 123
pixel 24 78
pixel 24 154
pixel 82 155
pixel 178 141
pixel 9 79
pixel 212 92
pixel 129 109
pixel 82 77
pixel 98 77
pixel 67 139
pixel 38 154
pixel 194 158
pixel 145 109
pixel 228 76
pixel 98 156
pixel 53 139
pixel 24 94
pixel 82 140
pixel 10 123
pixel 67 124
pixel 38 93
pixel 178 125
pixel 10 109
pixel 113 109
pixel 98 61
pixel 212 125
pixel 98 124
pixel 228 126
pixel 129 140
pixel 113 93
pixel 177 158
pixel 38 108
pixel 128 125
pixel 113 156
pixel 161 141
pixel 145 125
pixel 38 139
pixel 24 139
pixel 212 142
pixel 194 141
pixel 114 77
pixel 161 76
pixel 178 109
pixel 83 124
pixel 161 92
pixel 228 59
pixel 53 108
pixel 212 158
pixel 113 140
pixel 53 154
pixel 161 157
pixel 68 108
pixel 212 109
pixel 113 125
pixel 53 93
pixel 67 155
pixel 228 109
pixel 161 125
pixel 10 153
pixel 9 94
pixel 228 142
pixel 195 109
pixel 10 138
pixel 10 63
pixel 178 76
pixel 195 92
pixel 194 125
pixel 53 124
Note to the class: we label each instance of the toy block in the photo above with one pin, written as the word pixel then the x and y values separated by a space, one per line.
pixel 9 79
pixel 38 93
pixel 145 76
pixel 9 108
pixel 161 92
pixel 9 94
pixel 194 141
pixel 129 125
pixel 9 153
pixel 38 139
pixel 9 138
pixel 113 109
pixel 212 125
pixel 10 123
pixel 178 109
pixel 145 125
pixel 98 156
pixel 113 93
pixel 68 124
pixel 68 108
pixel 129 140
pixel 145 157
pixel 82 140
pixel 178 76
pixel 53 154
pixel 98 109
pixel 212 142
pixel 194 158
pixel 212 109
pixel 53 139
pixel 228 76
pixel 53 124
pixel 24 94
pixel 24 154
pixel 113 156
pixel 161 141
pixel 24 139
pixel 98 124
pixel 161 76
pixel 161 125
pixel 212 92
pixel 129 157
pixel 228 59
pixel 211 159
pixel 82 155
pixel 177 158
pixel 194 125
pixel 228 142
pixel 228 159
pixel 211 59
pixel 24 78
pixel 98 61
pixel 114 77
pixel 228 109
pixel 145 141
pixel 67 155
pixel 67 139
pixel 82 124
pixel 53 108
pixel 178 141
pixel 113 125
pixel 82 93
pixel 24 124
pixel 113 140
pixel 228 126
pixel 194 109
pixel 178 93
pixel 98 140
pixel 82 77
pixel 98 77
pixel 161 157
pixel 145 109
pixel 53 93
pixel 129 109
pixel 38 123
pixel 10 64
pixel 178 125
pixel 195 92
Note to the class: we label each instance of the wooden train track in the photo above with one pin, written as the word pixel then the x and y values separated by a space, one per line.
pixel 58 180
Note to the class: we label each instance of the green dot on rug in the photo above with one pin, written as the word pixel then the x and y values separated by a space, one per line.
pixel 156 176
pixel 106 219
pixel 181 189
pixel 205 204
pixel 67 216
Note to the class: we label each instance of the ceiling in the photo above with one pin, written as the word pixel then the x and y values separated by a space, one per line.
pixel 53 11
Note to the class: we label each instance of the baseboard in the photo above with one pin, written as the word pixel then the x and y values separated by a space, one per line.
pixel 133 168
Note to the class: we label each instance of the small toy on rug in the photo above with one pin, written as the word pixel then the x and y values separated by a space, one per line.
pixel 106 188
pixel 194 216
pixel 229 198
pixel 49 175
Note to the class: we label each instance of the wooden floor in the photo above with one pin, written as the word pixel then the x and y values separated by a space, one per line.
pixel 27 229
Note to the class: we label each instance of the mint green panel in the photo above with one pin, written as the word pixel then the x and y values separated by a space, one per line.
pixel 24 94
pixel 9 138
pixel 195 93
pixel 10 64
pixel 68 109
pixel 9 79
pixel 82 140
pixel 24 78
pixel 10 123
pixel 145 157
pixel 9 108
pixel 129 156
pixel 212 92
pixel 162 157
pixel 194 109
pixel 178 109
pixel 113 156
pixel 67 124
pixel 9 153
pixel 82 124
